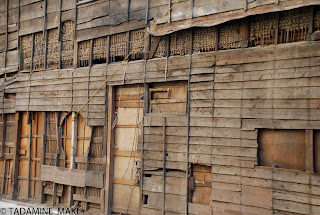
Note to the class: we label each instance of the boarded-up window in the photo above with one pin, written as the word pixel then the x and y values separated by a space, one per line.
pixel 282 148
pixel 317 150
pixel 204 39
pixel 118 47
pixel 180 42
pixel 67 44
pixel 230 35
pixel 135 37
pixel 53 49
pixel 100 50
pixel 39 49
pixel 168 98
pixel 84 53
pixel 26 52
pixel 262 29
pixel 160 45
pixel 201 184
pixel 293 25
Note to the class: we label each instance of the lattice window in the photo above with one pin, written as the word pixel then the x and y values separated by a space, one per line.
pixel 84 53
pixel 230 35
pixel 26 52
pixel 39 51
pixel 53 49
pixel 180 42
pixel 204 39
pixel 317 19
pixel 135 37
pixel 162 49
pixel 262 29
pixel 293 25
pixel 67 44
pixel 100 50
pixel 118 47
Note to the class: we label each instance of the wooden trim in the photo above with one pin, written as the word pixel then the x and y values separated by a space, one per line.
pixel 110 151
pixel 146 48
pixel 147 12
pixel 169 15
pixel 75 54
pixel 45 17
pixel 309 151
pixel 4 133
pixel 4 176
pixel 74 141
pixel 128 11
pixel 6 45
pixel 45 50
pixel 164 166
pixel 54 196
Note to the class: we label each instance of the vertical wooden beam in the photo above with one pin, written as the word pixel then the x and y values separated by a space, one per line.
pixel 192 8
pixel 7 18
pixel 45 50
pixel 75 54
pixel 4 139
pixel 311 23
pixel 128 12
pixel 4 132
pixel 54 196
pixel 276 36
pixel 110 151
pixel 245 5
pixel 147 12
pixel 19 39
pixel 309 151
pixel 91 55
pixel 128 44
pixel 104 192
pixel 146 48
pixel 245 33
pixel 164 172
pixel 75 19
pixel 45 17
pixel 43 152
pixel 169 15
pixel 60 34
pixel 29 156
pixel 16 150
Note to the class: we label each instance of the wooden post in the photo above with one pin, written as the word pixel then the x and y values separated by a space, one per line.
pixel 60 35
pixel 309 151
pixel 4 139
pixel 146 47
pixel 74 141
pixel 29 156
pixel 45 50
pixel 311 23
pixel 54 196
pixel 6 45
pixel 128 12
pixel 43 152
pixel 75 20
pixel 45 18
pixel 16 150
pixel 245 33
pixel 75 54
pixel 18 38
pixel 147 12
pixel 169 15
pixel 276 37
pixel 110 151
pixel 104 149
pixel 164 172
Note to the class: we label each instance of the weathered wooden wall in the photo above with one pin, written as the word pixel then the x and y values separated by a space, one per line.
pixel 190 124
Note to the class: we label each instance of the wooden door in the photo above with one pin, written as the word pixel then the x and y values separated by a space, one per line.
pixel 29 156
pixel 129 113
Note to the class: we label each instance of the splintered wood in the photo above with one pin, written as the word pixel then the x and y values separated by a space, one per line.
pixel 53 49
pixel 263 30
pixel 204 39
pixel 67 44
pixel 118 47
pixel 293 25
pixel 230 35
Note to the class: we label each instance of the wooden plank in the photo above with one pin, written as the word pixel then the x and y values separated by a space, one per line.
pixel 309 151
pixel 16 150
pixel 110 151
pixel 43 152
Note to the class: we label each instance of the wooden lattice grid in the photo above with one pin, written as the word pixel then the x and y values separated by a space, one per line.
pixel 204 39
pixel 118 47
pixel 316 23
pixel 39 51
pixel 100 50
pixel 162 49
pixel 180 42
pixel 26 52
pixel 230 35
pixel 67 44
pixel 262 29
pixel 84 53
pixel 53 49
pixel 135 37
pixel 293 25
